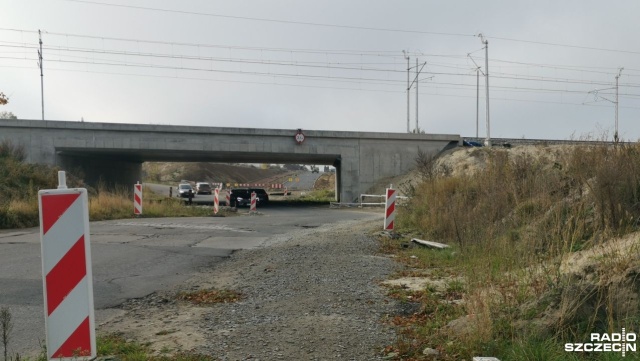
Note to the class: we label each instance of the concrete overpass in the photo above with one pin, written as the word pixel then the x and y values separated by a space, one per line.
pixel 115 152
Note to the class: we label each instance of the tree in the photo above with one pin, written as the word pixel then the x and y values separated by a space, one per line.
pixel 7 115
pixel 3 99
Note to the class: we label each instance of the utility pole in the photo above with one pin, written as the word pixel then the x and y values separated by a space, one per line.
pixel 408 88
pixel 417 125
pixel 615 102
pixel 41 73
pixel 615 135
pixel 477 100
pixel 487 141
pixel 478 71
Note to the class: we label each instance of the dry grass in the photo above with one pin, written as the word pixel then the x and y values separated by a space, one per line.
pixel 20 182
pixel 209 297
pixel 514 220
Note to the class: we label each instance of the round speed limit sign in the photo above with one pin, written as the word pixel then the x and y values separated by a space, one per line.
pixel 299 137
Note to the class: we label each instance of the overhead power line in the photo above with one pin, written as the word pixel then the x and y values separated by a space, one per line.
pixel 565 45
pixel 316 64
pixel 281 21
pixel 424 94
pixel 353 27
pixel 435 84
pixel 387 53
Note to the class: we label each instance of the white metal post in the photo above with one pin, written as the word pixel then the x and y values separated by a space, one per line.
pixel 615 135
pixel 417 73
pixel 487 141
pixel 408 89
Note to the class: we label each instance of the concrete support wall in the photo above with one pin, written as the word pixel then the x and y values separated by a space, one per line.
pixel 103 171
pixel 114 152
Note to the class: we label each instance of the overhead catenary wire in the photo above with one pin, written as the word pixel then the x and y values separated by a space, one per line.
pixel 423 94
pixel 65 52
pixel 352 27
pixel 385 53
pixel 497 75
pixel 282 21
pixel 92 61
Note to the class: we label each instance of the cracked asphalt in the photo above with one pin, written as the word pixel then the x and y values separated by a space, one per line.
pixel 133 258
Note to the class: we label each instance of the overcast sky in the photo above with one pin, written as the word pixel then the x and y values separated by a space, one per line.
pixel 329 65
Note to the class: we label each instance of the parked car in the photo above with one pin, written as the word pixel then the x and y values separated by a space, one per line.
pixel 184 189
pixel 241 197
pixel 203 188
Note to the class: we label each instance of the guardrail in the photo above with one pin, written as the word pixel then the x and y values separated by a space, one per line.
pixel 361 202
pixel 506 142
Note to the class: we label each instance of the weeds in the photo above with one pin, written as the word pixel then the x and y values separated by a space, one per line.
pixel 208 297
pixel 20 183
pixel 515 223
pixel 6 325
pixel 116 345
pixel 113 345
pixel 323 195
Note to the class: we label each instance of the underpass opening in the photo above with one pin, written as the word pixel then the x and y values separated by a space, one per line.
pixel 303 183
pixel 118 167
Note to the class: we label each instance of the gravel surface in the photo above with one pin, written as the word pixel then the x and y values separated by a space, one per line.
pixel 313 294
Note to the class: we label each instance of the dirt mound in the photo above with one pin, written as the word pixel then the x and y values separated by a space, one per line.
pixel 468 160
pixel 594 283
pixel 210 172
pixel 326 181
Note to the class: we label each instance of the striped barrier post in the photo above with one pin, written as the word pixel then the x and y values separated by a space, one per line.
pixel 253 202
pixel 228 198
pixel 216 192
pixel 67 277
pixel 390 209
pixel 137 199
pixel 285 191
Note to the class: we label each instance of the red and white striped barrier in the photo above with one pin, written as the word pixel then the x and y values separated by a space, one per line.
pixel 66 269
pixel 216 193
pixel 228 198
pixel 137 199
pixel 285 191
pixel 267 185
pixel 390 209
pixel 253 202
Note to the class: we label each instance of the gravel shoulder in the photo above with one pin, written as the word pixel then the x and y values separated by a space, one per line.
pixel 314 294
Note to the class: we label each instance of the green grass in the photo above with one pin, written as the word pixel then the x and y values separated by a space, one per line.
pixel 117 345
pixel 323 195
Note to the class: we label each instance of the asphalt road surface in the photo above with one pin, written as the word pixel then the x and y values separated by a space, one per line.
pixel 302 181
pixel 135 257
